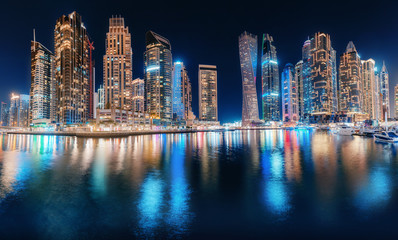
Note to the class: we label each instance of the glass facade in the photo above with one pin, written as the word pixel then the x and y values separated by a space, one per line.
pixel 19 110
pixel 271 99
pixel 298 75
pixel 248 65
pixel 307 80
pixel 384 90
pixel 370 91
pixel 138 95
pixel 208 102
pixel 182 93
pixel 289 94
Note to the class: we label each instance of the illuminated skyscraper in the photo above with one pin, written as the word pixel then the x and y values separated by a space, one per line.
pixel 208 102
pixel 4 114
pixel 182 93
pixel 350 80
pixel 101 97
pixel 43 86
pixel 370 91
pixel 300 89
pixel 72 67
pixel 307 80
pixel 248 66
pixel 19 110
pixel 335 94
pixel 384 90
pixel 379 97
pixel 323 97
pixel 118 67
pixel 270 81
pixel 158 74
pixel 289 95
pixel 138 95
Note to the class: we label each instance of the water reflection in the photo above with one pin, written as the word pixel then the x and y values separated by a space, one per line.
pixel 175 185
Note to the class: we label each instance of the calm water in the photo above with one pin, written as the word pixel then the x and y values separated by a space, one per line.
pixel 235 184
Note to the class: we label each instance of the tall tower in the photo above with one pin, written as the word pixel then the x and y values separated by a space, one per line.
pixel 4 114
pixel 158 73
pixel 270 81
pixel 370 91
pixel 138 95
pixel 307 81
pixel 208 102
pixel 289 95
pixel 298 76
pixel 19 110
pixel 118 67
pixel 42 88
pixel 248 66
pixel 384 90
pixel 323 100
pixel 350 79
pixel 72 69
pixel 182 96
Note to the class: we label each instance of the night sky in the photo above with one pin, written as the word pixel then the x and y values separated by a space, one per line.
pixel 203 32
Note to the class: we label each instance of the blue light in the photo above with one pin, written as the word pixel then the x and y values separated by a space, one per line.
pixel 152 68
pixel 270 94
pixel 270 61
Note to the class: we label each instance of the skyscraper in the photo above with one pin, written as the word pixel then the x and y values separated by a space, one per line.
pixel 4 114
pixel 118 67
pixel 350 80
pixel 208 102
pixel 182 96
pixel 101 97
pixel 270 81
pixel 72 69
pixel 307 81
pixel 19 110
pixel 42 88
pixel 379 97
pixel 248 66
pixel 289 95
pixel 370 91
pixel 158 71
pixel 298 75
pixel 138 95
pixel 384 90
pixel 323 100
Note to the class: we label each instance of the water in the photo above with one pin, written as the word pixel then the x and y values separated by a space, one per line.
pixel 241 184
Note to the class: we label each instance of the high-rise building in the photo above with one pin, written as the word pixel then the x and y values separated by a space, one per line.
pixel 19 110
pixel 335 93
pixel 118 66
pixel 298 75
pixel 101 97
pixel 248 66
pixel 158 74
pixel 271 99
pixel 323 97
pixel 384 90
pixel 370 92
pixel 4 114
pixel 350 80
pixel 42 88
pixel 208 102
pixel 396 100
pixel 138 86
pixel 307 81
pixel 379 97
pixel 289 95
pixel 182 93
pixel 95 104
pixel 72 69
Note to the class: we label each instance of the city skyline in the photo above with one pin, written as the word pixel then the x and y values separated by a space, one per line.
pixel 228 70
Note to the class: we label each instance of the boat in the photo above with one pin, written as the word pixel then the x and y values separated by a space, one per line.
pixel 385 136
pixel 345 131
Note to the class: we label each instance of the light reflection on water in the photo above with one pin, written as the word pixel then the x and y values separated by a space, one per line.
pixel 187 184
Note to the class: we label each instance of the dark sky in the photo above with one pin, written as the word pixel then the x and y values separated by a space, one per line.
pixel 202 32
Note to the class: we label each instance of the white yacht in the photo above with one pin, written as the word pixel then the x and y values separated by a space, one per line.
pixel 345 131
pixel 385 136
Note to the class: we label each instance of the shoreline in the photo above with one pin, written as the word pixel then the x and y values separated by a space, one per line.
pixel 127 134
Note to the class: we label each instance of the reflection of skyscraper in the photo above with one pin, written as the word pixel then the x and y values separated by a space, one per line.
pixel 72 69
pixel 42 89
pixel 4 114
pixel 350 79
pixel 289 95
pixel 248 66
pixel 323 100
pixel 300 91
pixel 384 89
pixel 118 68
pixel 270 81
pixel 19 111
pixel 307 80
pixel 369 88
pixel 208 102
pixel 138 95
pixel 158 71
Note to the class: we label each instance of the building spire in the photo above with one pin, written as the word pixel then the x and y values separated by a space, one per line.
pixel 351 47
pixel 34 39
